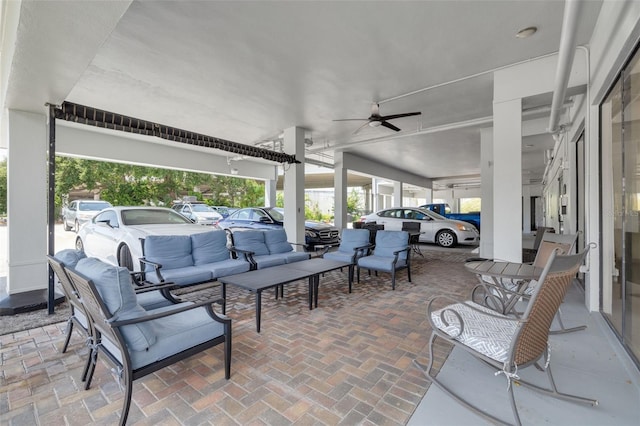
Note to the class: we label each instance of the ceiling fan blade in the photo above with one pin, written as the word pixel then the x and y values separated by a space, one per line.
pixel 406 114
pixel 361 127
pixel 353 119
pixel 389 126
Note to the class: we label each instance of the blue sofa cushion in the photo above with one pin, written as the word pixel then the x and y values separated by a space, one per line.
pixel 227 267
pixel 388 242
pixel 182 276
pixel 269 260
pixel 209 247
pixel 380 263
pixel 295 256
pixel 339 255
pixel 70 257
pixel 171 251
pixel 115 288
pixel 252 240
pixel 276 241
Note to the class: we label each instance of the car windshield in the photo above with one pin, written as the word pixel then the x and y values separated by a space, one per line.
pixel 152 217
pixel 276 213
pixel 93 207
pixel 201 208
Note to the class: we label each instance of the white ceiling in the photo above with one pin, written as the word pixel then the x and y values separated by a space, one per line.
pixel 246 70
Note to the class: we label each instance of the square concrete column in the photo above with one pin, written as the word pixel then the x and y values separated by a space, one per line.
pixel 26 134
pixel 486 175
pixel 340 191
pixel 507 180
pixel 294 186
pixel 397 194
pixel 270 190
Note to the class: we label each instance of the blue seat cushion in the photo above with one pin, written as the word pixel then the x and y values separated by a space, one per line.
pixel 182 276
pixel 70 257
pixel 209 247
pixel 380 263
pixel 296 256
pixel 270 260
pixel 227 267
pixel 171 251
pixel 251 240
pixel 179 332
pixel 339 255
pixel 276 241
pixel 114 286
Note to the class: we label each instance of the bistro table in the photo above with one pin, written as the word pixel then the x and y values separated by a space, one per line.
pixel 518 274
pixel 277 276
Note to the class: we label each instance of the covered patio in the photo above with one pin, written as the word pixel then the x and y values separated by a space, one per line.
pixel 349 361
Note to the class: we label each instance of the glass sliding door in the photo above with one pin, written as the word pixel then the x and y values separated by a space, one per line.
pixel 620 142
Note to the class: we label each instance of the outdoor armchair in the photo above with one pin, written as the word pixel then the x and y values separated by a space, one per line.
pixel 506 343
pixel 354 244
pixel 139 342
pixel 390 254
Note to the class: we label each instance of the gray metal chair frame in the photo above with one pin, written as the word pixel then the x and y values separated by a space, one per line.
pixel 395 267
pixel 104 327
pixel 528 343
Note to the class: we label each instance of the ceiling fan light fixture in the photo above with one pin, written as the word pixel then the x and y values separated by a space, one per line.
pixel 375 123
pixel 526 32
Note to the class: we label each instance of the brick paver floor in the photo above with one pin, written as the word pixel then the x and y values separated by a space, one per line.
pixel 347 362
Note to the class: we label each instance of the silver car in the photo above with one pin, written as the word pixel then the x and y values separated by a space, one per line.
pixel 433 227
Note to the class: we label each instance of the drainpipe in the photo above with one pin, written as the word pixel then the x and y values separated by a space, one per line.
pixel 566 54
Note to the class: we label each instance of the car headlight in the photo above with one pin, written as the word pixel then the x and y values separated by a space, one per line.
pixel 462 227
pixel 310 233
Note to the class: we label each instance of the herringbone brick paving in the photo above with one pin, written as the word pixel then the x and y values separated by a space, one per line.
pixel 348 362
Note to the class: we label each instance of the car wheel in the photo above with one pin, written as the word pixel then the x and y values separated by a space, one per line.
pixel 446 238
pixel 124 257
pixel 65 224
pixel 77 226
pixel 79 245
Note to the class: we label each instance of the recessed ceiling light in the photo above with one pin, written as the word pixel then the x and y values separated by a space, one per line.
pixel 526 32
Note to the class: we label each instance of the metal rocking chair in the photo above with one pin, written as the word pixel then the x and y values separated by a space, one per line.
pixel 508 344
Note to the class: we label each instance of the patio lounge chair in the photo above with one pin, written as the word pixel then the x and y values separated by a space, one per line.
pixel 139 342
pixel 354 244
pixel 508 344
pixel 390 254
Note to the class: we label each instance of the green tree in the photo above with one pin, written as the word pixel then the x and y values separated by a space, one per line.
pixel 3 187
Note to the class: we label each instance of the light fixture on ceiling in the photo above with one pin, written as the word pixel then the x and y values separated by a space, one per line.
pixel 375 123
pixel 526 32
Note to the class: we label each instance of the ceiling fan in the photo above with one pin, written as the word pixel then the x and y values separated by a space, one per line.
pixel 376 119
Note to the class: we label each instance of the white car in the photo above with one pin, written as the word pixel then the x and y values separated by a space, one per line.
pixel 78 212
pixel 113 235
pixel 199 213
pixel 433 227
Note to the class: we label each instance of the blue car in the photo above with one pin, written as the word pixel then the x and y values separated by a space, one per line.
pixel 317 234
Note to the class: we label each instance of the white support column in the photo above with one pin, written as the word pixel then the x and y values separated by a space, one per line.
pixel 507 180
pixel 340 188
pixel 294 186
pixel 486 176
pixel 270 190
pixel 375 195
pixel 526 208
pixel 26 201
pixel 397 194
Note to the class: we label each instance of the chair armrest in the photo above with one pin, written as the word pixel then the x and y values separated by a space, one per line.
pixel 156 266
pixel 178 309
pixel 164 289
pixel 248 255
pixel 396 254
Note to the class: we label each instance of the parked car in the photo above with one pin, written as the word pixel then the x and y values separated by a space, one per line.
pixel 113 235
pixel 444 210
pixel 433 227
pixel 316 233
pixel 199 213
pixel 223 210
pixel 79 212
